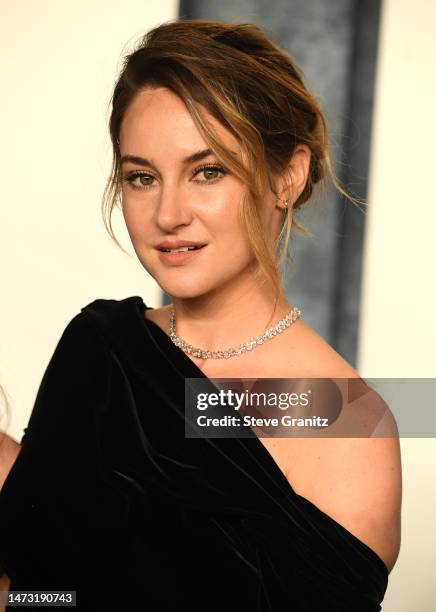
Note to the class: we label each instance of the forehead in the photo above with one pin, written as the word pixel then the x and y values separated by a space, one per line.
pixel 158 118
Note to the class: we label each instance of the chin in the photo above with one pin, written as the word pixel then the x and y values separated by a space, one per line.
pixel 183 289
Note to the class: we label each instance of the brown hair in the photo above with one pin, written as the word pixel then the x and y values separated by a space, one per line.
pixel 256 91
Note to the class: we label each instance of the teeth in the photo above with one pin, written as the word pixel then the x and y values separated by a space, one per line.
pixel 179 249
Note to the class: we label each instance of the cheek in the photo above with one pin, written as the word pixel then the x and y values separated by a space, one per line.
pixel 232 244
pixel 220 215
pixel 135 219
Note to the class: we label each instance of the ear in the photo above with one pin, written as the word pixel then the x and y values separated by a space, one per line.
pixel 294 176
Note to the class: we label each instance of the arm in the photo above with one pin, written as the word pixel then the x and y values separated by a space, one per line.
pixel 356 481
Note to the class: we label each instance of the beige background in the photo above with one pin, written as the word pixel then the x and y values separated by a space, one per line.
pixel 58 64
pixel 398 330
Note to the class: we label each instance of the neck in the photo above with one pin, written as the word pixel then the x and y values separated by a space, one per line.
pixel 226 319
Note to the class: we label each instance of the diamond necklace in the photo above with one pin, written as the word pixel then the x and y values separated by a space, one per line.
pixel 287 320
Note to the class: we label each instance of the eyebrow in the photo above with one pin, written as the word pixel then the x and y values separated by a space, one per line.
pixel 141 161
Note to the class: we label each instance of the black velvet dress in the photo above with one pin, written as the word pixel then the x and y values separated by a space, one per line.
pixel 110 499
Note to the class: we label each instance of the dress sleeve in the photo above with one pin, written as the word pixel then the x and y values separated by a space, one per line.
pixel 50 492
pixel 74 380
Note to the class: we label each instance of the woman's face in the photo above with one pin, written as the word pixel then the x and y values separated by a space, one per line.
pixel 175 191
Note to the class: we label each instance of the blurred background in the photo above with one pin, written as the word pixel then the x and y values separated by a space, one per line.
pixel 365 281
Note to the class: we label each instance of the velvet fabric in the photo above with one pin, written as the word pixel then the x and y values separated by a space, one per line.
pixel 110 499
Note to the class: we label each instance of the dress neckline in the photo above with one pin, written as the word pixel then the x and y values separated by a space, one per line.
pixel 195 372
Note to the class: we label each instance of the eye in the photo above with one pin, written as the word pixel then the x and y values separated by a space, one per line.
pixel 210 172
pixel 142 176
pixel 138 179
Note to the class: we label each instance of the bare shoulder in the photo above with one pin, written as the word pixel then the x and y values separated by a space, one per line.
pixel 356 481
pixel 306 352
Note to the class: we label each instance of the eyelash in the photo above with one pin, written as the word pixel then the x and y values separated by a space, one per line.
pixel 137 173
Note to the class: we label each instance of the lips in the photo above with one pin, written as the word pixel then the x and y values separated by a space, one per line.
pixel 178 258
pixel 177 244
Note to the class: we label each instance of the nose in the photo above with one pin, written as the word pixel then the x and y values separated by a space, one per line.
pixel 173 209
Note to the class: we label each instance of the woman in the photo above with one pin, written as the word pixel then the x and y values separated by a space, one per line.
pixel 217 143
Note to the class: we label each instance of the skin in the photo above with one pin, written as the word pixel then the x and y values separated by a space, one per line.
pixel 9 449
pixel 223 306
pixel 219 305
